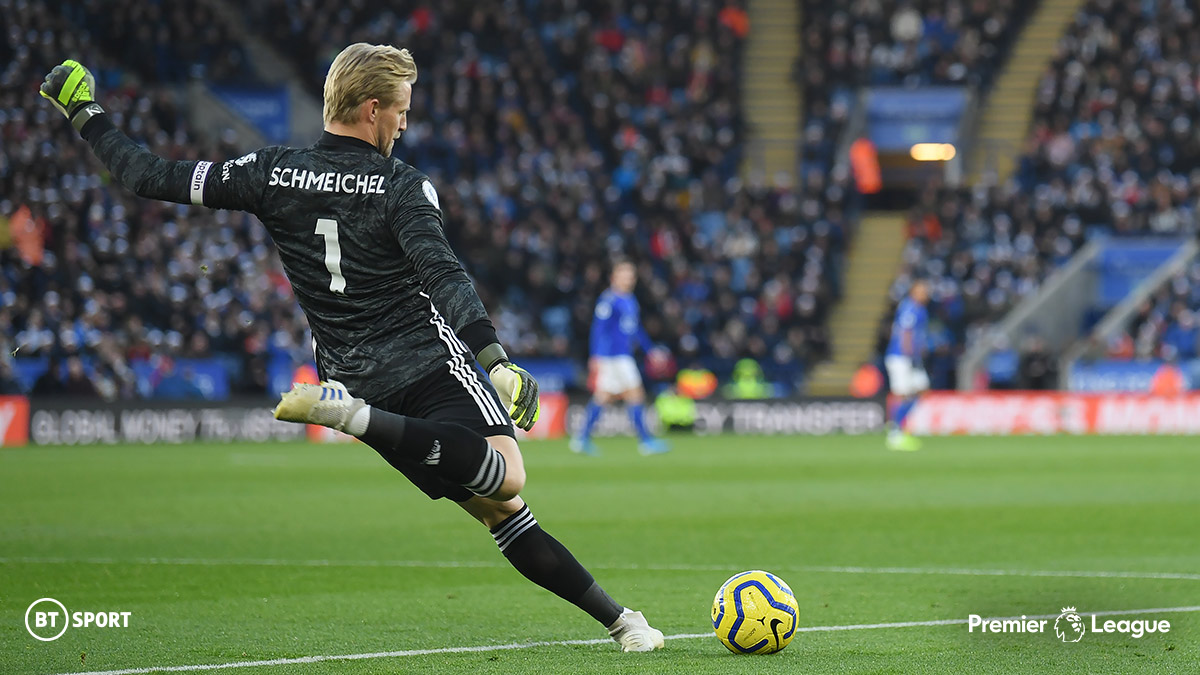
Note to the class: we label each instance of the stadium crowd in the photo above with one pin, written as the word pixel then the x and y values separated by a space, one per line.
pixel 164 42
pixel 893 42
pixel 95 281
pixel 572 132
pixel 560 137
pixel 1113 150
pixel 1167 326
pixel 565 134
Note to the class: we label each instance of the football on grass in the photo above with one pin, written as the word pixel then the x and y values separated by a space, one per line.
pixel 754 613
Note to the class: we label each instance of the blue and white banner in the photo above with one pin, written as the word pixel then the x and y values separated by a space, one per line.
pixel 1126 262
pixel 267 108
pixel 1109 376
pixel 898 118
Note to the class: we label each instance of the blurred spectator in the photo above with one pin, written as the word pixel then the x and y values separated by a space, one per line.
pixel 867 382
pixel 1168 380
pixel 8 380
pixel 1003 366
pixel 696 383
pixel 176 385
pixel 50 383
pixel 676 412
pixel 77 383
pixel 1038 369
pixel 748 382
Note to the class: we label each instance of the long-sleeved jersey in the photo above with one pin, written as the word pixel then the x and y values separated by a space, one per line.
pixel 617 326
pixel 360 236
pixel 911 320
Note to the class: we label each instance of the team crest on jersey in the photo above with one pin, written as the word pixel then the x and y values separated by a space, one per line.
pixel 431 194
pixel 240 161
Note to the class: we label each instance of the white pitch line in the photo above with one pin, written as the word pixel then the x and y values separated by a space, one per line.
pixel 251 562
pixel 975 572
pixel 564 643
pixel 483 564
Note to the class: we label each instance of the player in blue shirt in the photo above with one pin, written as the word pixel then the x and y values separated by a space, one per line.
pixel 616 330
pixel 904 361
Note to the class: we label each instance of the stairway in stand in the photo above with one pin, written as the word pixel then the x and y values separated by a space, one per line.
pixel 1008 108
pixel 871 266
pixel 771 100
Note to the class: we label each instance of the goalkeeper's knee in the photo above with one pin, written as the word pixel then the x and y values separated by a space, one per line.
pixel 514 465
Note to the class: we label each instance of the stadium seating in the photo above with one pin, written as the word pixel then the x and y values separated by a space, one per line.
pixel 599 133
pixel 885 42
pixel 165 42
pixel 1112 151
pixel 1168 325
pixel 92 271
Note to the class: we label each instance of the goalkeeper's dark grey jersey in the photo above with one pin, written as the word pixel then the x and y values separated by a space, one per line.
pixel 360 236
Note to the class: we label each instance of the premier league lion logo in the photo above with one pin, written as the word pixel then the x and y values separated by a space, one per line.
pixel 1069 625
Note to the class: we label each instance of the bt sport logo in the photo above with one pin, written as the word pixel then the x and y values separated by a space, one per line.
pixel 47 619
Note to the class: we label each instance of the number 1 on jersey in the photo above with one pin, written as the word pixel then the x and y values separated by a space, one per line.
pixel 327 227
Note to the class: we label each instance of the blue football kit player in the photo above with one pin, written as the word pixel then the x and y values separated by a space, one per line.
pixel 904 362
pixel 616 330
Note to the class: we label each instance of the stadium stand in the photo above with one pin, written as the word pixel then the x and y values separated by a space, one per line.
pixel 887 42
pixel 602 131
pixel 165 42
pixel 92 277
pixel 1167 326
pixel 597 134
pixel 850 46
pixel 1113 151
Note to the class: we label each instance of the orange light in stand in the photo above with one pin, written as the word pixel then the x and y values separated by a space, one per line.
pixel 864 162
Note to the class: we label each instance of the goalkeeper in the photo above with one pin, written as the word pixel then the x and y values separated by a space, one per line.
pixel 395 319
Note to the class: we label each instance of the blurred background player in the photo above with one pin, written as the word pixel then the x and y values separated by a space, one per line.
pixel 616 326
pixel 904 363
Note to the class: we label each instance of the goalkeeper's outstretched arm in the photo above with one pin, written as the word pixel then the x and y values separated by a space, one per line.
pixel 70 87
pixel 141 171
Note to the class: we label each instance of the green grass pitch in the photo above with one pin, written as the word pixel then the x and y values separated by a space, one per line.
pixel 227 553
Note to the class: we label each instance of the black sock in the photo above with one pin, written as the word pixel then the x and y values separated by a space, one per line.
pixel 547 563
pixel 453 451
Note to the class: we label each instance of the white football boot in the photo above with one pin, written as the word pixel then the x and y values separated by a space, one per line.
pixel 328 404
pixel 631 631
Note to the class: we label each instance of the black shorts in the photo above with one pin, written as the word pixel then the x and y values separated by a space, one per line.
pixel 456 393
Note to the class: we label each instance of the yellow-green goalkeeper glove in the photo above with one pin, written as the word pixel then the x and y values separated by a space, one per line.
pixel 70 88
pixel 517 389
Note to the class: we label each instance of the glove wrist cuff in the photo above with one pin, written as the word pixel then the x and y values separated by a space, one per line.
pixel 84 114
pixel 490 356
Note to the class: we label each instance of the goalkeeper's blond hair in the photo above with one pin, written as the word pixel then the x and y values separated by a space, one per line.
pixel 363 72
